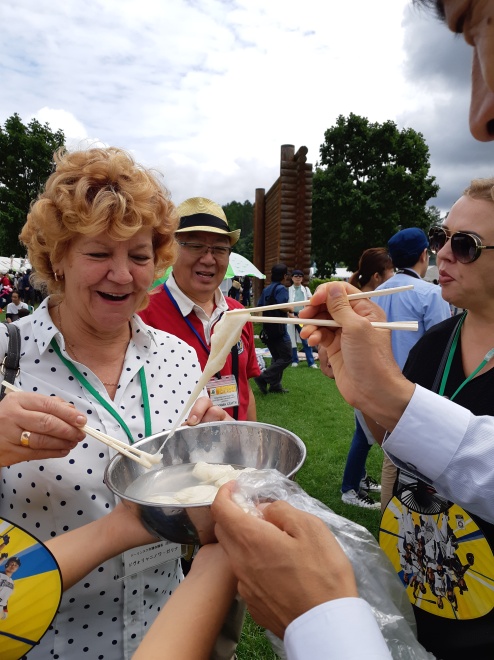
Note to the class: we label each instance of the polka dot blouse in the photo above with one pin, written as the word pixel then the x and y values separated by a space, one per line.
pixel 102 617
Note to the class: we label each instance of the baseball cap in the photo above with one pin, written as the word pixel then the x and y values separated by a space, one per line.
pixel 406 246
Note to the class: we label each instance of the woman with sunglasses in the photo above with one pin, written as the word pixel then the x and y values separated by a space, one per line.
pixel 454 359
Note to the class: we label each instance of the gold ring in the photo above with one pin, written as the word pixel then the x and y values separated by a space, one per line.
pixel 25 438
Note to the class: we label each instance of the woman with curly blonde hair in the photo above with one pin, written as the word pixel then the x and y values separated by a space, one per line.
pixel 98 236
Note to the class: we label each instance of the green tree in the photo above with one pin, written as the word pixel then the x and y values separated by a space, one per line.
pixel 26 161
pixel 372 180
pixel 241 216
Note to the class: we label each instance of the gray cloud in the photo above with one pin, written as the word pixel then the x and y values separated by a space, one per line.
pixel 437 67
pixel 207 91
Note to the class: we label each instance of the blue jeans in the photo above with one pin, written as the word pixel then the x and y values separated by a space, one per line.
pixel 305 347
pixel 355 463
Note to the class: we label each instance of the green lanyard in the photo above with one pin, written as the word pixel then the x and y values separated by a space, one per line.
pixel 87 385
pixel 447 368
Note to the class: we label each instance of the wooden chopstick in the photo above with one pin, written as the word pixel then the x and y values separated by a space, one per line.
pixel 137 455
pixel 386 325
pixel 298 303
pixel 141 457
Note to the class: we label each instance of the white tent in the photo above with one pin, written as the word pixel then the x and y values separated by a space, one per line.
pixel 342 274
pixel 14 263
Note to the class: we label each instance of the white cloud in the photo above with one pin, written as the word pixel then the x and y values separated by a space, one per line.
pixel 207 91
pixel 73 129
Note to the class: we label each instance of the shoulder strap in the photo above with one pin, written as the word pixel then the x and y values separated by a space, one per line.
pixel 235 373
pixel 10 363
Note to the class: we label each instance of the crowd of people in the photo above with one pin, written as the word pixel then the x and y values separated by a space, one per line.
pixel 99 234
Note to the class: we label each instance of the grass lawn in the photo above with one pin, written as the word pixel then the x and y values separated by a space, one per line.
pixel 315 411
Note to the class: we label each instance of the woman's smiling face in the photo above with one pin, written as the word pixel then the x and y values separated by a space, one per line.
pixel 106 280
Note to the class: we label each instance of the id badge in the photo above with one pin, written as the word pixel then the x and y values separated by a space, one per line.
pixel 223 391
pixel 150 555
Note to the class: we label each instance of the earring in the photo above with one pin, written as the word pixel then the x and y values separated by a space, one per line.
pixel 57 276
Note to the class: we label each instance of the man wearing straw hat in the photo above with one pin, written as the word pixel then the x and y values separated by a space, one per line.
pixel 189 304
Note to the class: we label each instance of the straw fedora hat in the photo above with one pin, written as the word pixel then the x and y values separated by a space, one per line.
pixel 201 214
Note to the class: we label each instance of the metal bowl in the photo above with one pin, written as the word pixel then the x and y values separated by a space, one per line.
pixel 247 444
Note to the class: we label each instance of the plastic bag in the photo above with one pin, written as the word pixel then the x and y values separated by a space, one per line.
pixel 377 581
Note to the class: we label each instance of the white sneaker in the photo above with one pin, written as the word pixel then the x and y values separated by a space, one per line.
pixel 370 485
pixel 359 499
pixel 294 364
pixel 314 366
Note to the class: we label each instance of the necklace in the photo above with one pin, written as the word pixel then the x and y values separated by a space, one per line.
pixel 71 346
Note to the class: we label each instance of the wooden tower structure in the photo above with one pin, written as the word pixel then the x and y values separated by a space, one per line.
pixel 283 217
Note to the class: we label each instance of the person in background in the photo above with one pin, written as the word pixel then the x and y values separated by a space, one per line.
pixel 234 291
pixel 246 286
pixel 14 307
pixel 278 341
pixel 408 249
pixel 375 267
pixel 190 303
pixel 26 289
pixel 6 289
pixel 298 292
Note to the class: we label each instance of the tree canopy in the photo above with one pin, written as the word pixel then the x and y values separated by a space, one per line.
pixel 372 180
pixel 241 216
pixel 26 161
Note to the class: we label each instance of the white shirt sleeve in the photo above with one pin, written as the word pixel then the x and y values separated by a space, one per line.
pixel 445 445
pixel 342 629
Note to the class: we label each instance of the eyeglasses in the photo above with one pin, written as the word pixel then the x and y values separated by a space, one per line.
pixel 465 247
pixel 201 249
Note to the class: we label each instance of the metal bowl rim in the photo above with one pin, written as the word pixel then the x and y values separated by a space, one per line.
pixel 205 424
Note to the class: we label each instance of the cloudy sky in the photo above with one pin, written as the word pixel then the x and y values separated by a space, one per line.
pixel 206 91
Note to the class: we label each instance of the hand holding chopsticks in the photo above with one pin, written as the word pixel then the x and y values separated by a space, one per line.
pixel 327 323
pixel 303 303
pixel 395 325
pixel 141 457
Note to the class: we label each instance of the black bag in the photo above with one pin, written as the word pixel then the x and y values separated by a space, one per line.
pixel 10 364
pixel 273 331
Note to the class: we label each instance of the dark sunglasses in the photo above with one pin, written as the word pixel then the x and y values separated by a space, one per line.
pixel 465 247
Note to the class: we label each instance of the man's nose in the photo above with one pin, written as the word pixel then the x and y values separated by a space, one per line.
pixel 482 102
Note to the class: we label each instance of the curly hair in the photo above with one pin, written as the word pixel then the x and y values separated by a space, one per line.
pixel 94 191
pixel 481 189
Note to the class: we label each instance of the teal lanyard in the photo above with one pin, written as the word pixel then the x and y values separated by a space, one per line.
pixel 447 368
pixel 87 385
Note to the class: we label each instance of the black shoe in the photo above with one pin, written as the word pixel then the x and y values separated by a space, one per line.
pixel 261 384
pixel 279 390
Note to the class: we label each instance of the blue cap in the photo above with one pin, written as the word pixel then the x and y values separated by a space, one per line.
pixel 406 246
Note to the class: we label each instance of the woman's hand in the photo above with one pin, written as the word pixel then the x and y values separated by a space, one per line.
pixel 83 549
pixel 51 427
pixel 203 410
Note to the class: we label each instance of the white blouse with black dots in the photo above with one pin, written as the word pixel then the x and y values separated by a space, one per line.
pixel 100 617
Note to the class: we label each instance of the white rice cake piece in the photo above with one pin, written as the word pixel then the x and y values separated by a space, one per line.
pixel 197 494
pixel 211 472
